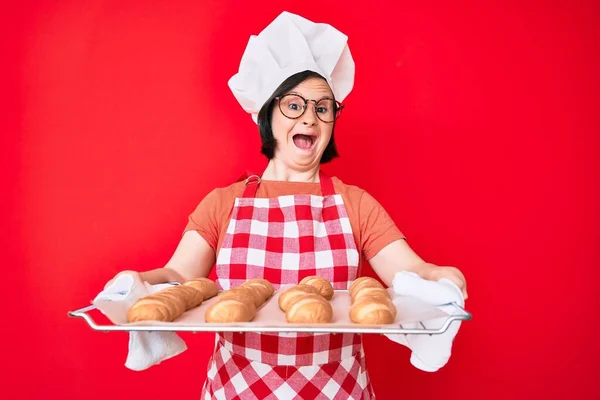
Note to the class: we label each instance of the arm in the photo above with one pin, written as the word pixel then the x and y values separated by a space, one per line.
pixel 398 256
pixel 395 257
pixel 387 251
pixel 193 258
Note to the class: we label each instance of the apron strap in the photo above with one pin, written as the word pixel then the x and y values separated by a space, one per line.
pixel 326 184
pixel 251 186
pixel 252 181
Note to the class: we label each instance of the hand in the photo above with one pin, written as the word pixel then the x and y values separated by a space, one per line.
pixel 134 273
pixel 451 273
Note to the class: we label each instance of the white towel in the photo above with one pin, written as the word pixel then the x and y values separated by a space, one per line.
pixel 428 352
pixel 145 348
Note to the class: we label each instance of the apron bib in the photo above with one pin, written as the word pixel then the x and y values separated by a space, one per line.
pixel 283 240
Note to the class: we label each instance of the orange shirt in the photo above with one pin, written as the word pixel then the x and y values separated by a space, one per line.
pixel 372 226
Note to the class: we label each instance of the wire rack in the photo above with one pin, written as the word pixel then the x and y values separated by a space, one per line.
pixel 433 322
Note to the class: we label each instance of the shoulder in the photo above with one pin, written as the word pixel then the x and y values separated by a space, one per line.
pixel 219 199
pixel 353 192
pixel 229 191
pixel 357 197
pixel 222 193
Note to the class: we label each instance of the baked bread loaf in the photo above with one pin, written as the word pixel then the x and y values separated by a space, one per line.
pixel 304 303
pixel 369 291
pixel 262 287
pixel 230 310
pixel 370 303
pixel 193 297
pixel 240 304
pixel 292 294
pixel 321 284
pixel 176 299
pixel 168 304
pixel 369 310
pixel 151 309
pixel 242 294
pixel 362 282
pixel 310 308
pixel 206 286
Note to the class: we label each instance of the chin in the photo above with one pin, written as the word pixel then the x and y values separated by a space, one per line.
pixel 307 160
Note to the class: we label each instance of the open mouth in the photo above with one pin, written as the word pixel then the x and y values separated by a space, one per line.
pixel 304 141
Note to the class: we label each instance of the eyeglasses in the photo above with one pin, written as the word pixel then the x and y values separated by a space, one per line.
pixel 293 106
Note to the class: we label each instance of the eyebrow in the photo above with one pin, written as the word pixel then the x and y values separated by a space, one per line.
pixel 322 98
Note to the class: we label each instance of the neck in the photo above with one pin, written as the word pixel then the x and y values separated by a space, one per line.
pixel 278 171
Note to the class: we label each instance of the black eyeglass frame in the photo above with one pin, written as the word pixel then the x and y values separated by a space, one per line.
pixel 338 107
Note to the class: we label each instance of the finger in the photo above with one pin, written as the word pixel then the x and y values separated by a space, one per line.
pixel 109 283
pixel 463 288
pixel 458 282
pixel 461 285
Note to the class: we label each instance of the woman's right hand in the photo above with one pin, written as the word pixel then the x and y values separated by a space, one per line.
pixel 136 275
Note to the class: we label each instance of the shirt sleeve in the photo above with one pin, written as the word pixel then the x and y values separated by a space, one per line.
pixel 376 226
pixel 204 219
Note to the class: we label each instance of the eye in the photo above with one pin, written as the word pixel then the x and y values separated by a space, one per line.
pixel 294 106
pixel 324 106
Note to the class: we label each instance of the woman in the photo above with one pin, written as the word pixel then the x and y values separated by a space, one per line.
pixel 292 221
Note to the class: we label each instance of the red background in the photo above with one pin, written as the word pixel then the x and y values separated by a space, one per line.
pixel 476 126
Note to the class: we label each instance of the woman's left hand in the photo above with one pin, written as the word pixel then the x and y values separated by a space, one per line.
pixel 436 273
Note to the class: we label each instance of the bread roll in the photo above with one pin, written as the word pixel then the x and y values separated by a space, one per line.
pixel 370 303
pixel 193 297
pixel 176 298
pixel 254 292
pixel 151 309
pixel 168 304
pixel 230 310
pixel 364 281
pixel 369 310
pixel 321 284
pixel 310 308
pixel 240 304
pixel 244 295
pixel 264 288
pixel 369 291
pixel 208 288
pixel 287 298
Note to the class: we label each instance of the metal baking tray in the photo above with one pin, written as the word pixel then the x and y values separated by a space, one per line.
pixel 413 317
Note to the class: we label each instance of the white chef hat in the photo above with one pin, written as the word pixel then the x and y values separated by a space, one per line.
pixel 288 45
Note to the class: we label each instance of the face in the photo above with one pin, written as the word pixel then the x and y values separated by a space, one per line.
pixel 302 141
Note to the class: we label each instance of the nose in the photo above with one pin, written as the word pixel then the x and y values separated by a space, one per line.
pixel 310 116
